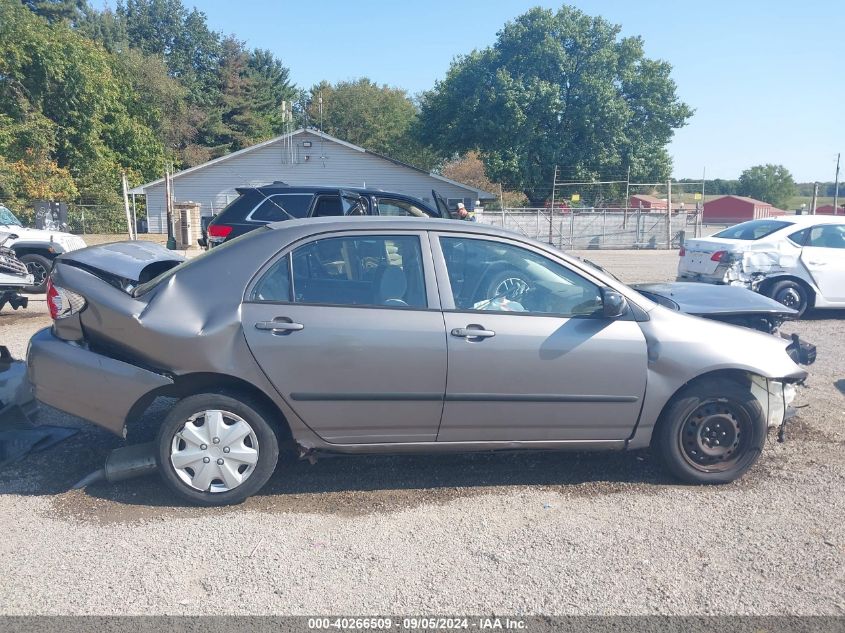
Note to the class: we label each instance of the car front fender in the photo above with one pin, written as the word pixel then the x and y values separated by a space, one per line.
pixel 682 348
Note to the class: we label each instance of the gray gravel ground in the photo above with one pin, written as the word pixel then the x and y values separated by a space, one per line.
pixel 510 534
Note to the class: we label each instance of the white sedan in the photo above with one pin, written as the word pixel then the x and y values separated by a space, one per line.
pixel 797 260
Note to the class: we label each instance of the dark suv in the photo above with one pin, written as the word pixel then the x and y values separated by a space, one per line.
pixel 257 206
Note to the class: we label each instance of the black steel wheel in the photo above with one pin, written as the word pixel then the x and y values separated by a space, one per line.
pixel 714 434
pixel 791 294
pixel 711 432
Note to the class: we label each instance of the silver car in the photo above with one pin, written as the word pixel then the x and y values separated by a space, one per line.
pixel 376 335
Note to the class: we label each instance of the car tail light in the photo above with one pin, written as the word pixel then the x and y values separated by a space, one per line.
pixel 62 303
pixel 718 256
pixel 682 252
pixel 219 230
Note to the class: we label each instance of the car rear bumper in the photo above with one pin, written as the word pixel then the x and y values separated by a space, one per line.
pixel 92 386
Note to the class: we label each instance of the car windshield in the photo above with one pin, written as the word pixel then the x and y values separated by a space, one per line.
pixel 7 218
pixel 753 230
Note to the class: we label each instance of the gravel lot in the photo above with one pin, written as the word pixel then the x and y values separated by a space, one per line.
pixel 510 534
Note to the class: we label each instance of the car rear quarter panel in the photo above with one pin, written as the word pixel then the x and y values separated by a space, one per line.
pixel 189 324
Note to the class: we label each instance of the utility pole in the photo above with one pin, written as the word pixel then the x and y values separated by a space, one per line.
pixel 699 210
pixel 502 204
pixel 168 202
pixel 815 196
pixel 627 194
pixel 125 187
pixel 669 214
pixel 552 210
pixel 836 186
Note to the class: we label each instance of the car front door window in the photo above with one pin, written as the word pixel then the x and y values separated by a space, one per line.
pixel 496 276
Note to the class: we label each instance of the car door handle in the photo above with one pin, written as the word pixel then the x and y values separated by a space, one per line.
pixel 279 326
pixel 817 263
pixel 473 331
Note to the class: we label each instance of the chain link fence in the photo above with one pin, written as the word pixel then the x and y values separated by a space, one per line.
pixel 82 219
pixel 583 229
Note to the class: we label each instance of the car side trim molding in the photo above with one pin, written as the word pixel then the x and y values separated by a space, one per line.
pixel 364 397
pixel 454 397
pixel 532 397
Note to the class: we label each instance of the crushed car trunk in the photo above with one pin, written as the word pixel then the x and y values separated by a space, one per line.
pixel 124 265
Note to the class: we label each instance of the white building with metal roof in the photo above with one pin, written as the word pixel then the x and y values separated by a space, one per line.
pixel 303 157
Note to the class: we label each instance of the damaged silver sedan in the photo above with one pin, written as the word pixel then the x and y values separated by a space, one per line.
pixel 376 335
pixel 797 260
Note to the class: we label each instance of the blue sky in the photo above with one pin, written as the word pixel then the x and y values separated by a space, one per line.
pixel 766 78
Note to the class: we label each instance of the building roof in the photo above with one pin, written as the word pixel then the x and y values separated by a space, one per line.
pixel 141 189
pixel 647 198
pixel 754 201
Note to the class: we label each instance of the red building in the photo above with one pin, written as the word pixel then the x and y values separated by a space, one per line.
pixel 827 209
pixel 649 203
pixel 737 209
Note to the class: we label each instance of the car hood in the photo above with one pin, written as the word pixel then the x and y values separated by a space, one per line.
pixel 135 261
pixel 709 300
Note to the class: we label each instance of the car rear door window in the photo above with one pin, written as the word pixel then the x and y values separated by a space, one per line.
pixel 799 237
pixel 281 207
pixel 274 285
pixel 827 236
pixel 377 270
pixel 488 275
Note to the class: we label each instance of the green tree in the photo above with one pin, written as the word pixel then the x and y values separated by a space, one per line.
pixel 557 88
pixel 56 10
pixel 379 118
pixel 66 104
pixel 770 183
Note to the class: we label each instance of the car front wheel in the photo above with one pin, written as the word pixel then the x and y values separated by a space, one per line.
pixel 712 432
pixel 215 449
pixel 39 267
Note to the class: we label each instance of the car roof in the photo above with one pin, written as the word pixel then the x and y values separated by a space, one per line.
pixel 804 220
pixel 382 223
pixel 277 187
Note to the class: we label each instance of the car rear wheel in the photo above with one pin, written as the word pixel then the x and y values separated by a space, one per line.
pixel 791 294
pixel 712 432
pixel 39 267
pixel 214 449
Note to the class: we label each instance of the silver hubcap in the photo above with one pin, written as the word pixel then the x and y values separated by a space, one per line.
pixel 215 451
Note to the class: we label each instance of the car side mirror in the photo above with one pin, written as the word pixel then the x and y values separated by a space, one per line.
pixel 614 304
